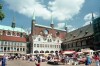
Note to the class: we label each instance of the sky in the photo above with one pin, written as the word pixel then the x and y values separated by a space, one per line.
pixel 76 13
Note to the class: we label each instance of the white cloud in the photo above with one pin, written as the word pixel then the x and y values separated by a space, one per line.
pixel 26 7
pixel 61 8
pixel 69 27
pixel 65 8
pixel 28 31
pixel 88 18
pixel 60 25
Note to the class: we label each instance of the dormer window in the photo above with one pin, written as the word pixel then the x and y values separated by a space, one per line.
pixel 4 32
pixel 0 32
pixel 18 34
pixel 86 32
pixel 21 34
pixel 13 33
pixel 9 33
pixel 80 31
pixel 71 34
pixel 74 36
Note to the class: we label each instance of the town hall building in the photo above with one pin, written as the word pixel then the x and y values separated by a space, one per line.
pixel 46 39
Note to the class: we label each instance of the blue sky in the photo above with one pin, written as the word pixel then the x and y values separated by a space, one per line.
pixel 76 13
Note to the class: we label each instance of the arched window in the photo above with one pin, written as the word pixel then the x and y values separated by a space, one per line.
pixel 46 51
pixel 36 51
pixel 51 51
pixel 56 51
pixel 41 51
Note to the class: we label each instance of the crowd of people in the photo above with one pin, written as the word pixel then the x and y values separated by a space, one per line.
pixel 73 59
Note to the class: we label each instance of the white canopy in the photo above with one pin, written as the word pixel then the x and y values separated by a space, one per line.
pixel 68 52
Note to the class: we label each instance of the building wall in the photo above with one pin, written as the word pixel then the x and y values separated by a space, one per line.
pixel 12 41
pixel 45 38
pixel 10 47
pixel 48 44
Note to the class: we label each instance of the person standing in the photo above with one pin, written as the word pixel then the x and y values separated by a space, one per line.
pixel 97 60
pixel 88 61
pixel 4 61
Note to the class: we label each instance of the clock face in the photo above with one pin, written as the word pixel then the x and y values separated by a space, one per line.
pixel 45 31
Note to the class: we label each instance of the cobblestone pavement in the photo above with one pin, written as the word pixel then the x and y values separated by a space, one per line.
pixel 28 63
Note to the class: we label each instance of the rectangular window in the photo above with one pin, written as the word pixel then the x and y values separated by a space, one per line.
pixel 42 45
pixel 23 49
pixel 1 49
pixel 50 46
pixel 83 42
pixel 34 45
pixel 55 46
pixel 59 46
pixel 45 45
pixel 78 44
pixel 37 45
pixel 20 49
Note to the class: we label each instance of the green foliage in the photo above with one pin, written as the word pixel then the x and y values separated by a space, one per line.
pixel 1 13
pixel 0 6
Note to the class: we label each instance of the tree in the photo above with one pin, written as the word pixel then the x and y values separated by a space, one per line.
pixel 1 13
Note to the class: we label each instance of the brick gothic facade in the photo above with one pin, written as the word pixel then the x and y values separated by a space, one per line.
pixel 80 38
pixel 45 39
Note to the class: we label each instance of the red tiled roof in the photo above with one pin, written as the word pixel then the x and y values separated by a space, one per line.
pixel 12 38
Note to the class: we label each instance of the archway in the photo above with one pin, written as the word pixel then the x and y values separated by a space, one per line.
pixel 36 51
pixel 46 51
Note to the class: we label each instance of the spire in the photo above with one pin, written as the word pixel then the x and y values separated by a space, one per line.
pixel 66 26
pixel 33 17
pixel 52 19
pixel 92 17
pixel 33 22
pixel 13 19
pixel 52 23
pixel 13 23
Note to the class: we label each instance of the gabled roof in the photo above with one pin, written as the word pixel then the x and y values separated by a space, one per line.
pixel 80 33
pixel 3 27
